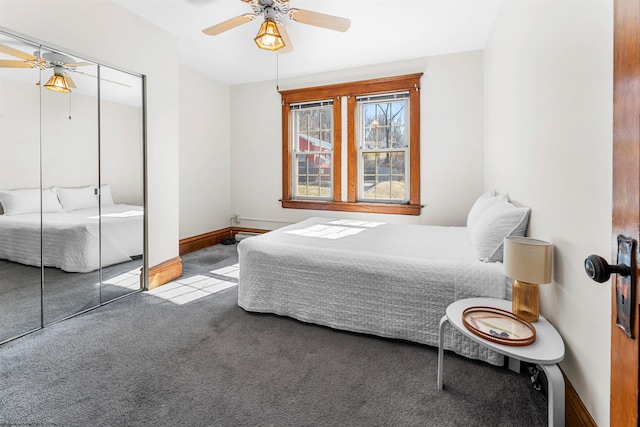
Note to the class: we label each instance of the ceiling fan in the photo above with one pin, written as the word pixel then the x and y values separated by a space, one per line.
pixel 61 81
pixel 273 33
pixel 61 64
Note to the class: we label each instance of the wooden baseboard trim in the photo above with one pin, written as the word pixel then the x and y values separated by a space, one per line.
pixel 165 272
pixel 575 413
pixel 172 269
pixel 192 244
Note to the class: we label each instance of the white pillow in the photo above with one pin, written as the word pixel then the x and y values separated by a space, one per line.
pixel 50 202
pixel 481 205
pixel 497 222
pixel 27 200
pixel 105 194
pixel 73 199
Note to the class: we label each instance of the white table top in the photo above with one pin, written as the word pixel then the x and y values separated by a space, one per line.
pixel 547 349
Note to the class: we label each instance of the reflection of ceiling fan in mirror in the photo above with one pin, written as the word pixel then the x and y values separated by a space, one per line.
pixel 61 64
pixel 273 34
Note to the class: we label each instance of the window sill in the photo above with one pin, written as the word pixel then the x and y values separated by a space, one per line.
pixel 380 208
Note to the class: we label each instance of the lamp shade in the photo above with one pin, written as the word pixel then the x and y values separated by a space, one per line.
pixel 527 260
pixel 57 83
pixel 269 37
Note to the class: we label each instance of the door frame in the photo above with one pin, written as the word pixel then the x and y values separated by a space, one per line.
pixel 626 202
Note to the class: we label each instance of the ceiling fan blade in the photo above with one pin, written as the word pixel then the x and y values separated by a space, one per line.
pixel 229 24
pixel 288 46
pixel 17 53
pixel 12 63
pixel 252 2
pixel 320 19
pixel 69 80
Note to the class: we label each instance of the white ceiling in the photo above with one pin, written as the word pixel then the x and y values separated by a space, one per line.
pixel 381 31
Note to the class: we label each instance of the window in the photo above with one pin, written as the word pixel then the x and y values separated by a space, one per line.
pixel 381 147
pixel 312 141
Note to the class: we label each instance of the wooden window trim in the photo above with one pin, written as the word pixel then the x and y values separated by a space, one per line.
pixel 409 82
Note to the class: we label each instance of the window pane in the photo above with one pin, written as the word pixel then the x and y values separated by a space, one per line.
pixel 383 149
pixel 326 120
pixel 313 148
pixel 314 119
pixel 313 129
pixel 314 140
pixel 398 111
pixel 383 176
pixel 369 164
pixel 383 124
pixel 313 176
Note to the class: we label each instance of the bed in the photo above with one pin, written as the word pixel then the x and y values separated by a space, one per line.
pixel 389 280
pixel 70 238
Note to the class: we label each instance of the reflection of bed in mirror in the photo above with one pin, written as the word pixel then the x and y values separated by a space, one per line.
pixel 70 229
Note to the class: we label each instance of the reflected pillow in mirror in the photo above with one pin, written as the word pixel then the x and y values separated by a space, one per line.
pixel 73 199
pixel 105 194
pixel 27 200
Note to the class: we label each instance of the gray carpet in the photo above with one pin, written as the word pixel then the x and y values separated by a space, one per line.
pixel 146 361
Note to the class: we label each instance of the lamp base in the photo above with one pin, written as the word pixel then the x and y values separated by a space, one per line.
pixel 525 300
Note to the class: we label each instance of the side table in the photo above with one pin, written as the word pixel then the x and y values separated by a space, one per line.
pixel 545 352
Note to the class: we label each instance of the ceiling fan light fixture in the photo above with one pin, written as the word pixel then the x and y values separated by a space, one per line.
pixel 269 37
pixel 58 83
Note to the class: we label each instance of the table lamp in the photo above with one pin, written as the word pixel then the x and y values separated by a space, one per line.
pixel 528 261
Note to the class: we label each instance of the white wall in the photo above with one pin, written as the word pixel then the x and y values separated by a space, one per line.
pixel 451 141
pixel 548 91
pixel 205 199
pixel 105 32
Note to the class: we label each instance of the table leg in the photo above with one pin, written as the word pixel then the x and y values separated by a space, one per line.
pixel 444 320
pixel 555 382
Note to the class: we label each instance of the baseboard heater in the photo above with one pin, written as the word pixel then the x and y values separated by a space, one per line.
pixel 244 235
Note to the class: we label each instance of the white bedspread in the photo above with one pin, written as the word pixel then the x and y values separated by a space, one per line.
pixel 70 240
pixel 387 279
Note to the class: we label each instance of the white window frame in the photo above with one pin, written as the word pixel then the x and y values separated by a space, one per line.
pixel 328 104
pixel 362 149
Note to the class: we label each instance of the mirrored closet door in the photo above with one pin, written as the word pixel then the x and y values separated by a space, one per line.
pixel 71 185
pixel 69 149
pixel 121 182
pixel 20 242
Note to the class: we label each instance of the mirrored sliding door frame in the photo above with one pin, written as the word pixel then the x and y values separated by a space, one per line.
pixel 144 276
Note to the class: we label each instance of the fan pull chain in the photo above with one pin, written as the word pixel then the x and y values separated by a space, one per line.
pixel 69 105
pixel 277 72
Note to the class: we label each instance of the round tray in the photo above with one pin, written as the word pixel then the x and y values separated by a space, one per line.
pixel 498 326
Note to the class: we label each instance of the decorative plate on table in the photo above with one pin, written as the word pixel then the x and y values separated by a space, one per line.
pixel 498 326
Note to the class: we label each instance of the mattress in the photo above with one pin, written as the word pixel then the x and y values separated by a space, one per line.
pixel 390 280
pixel 71 240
